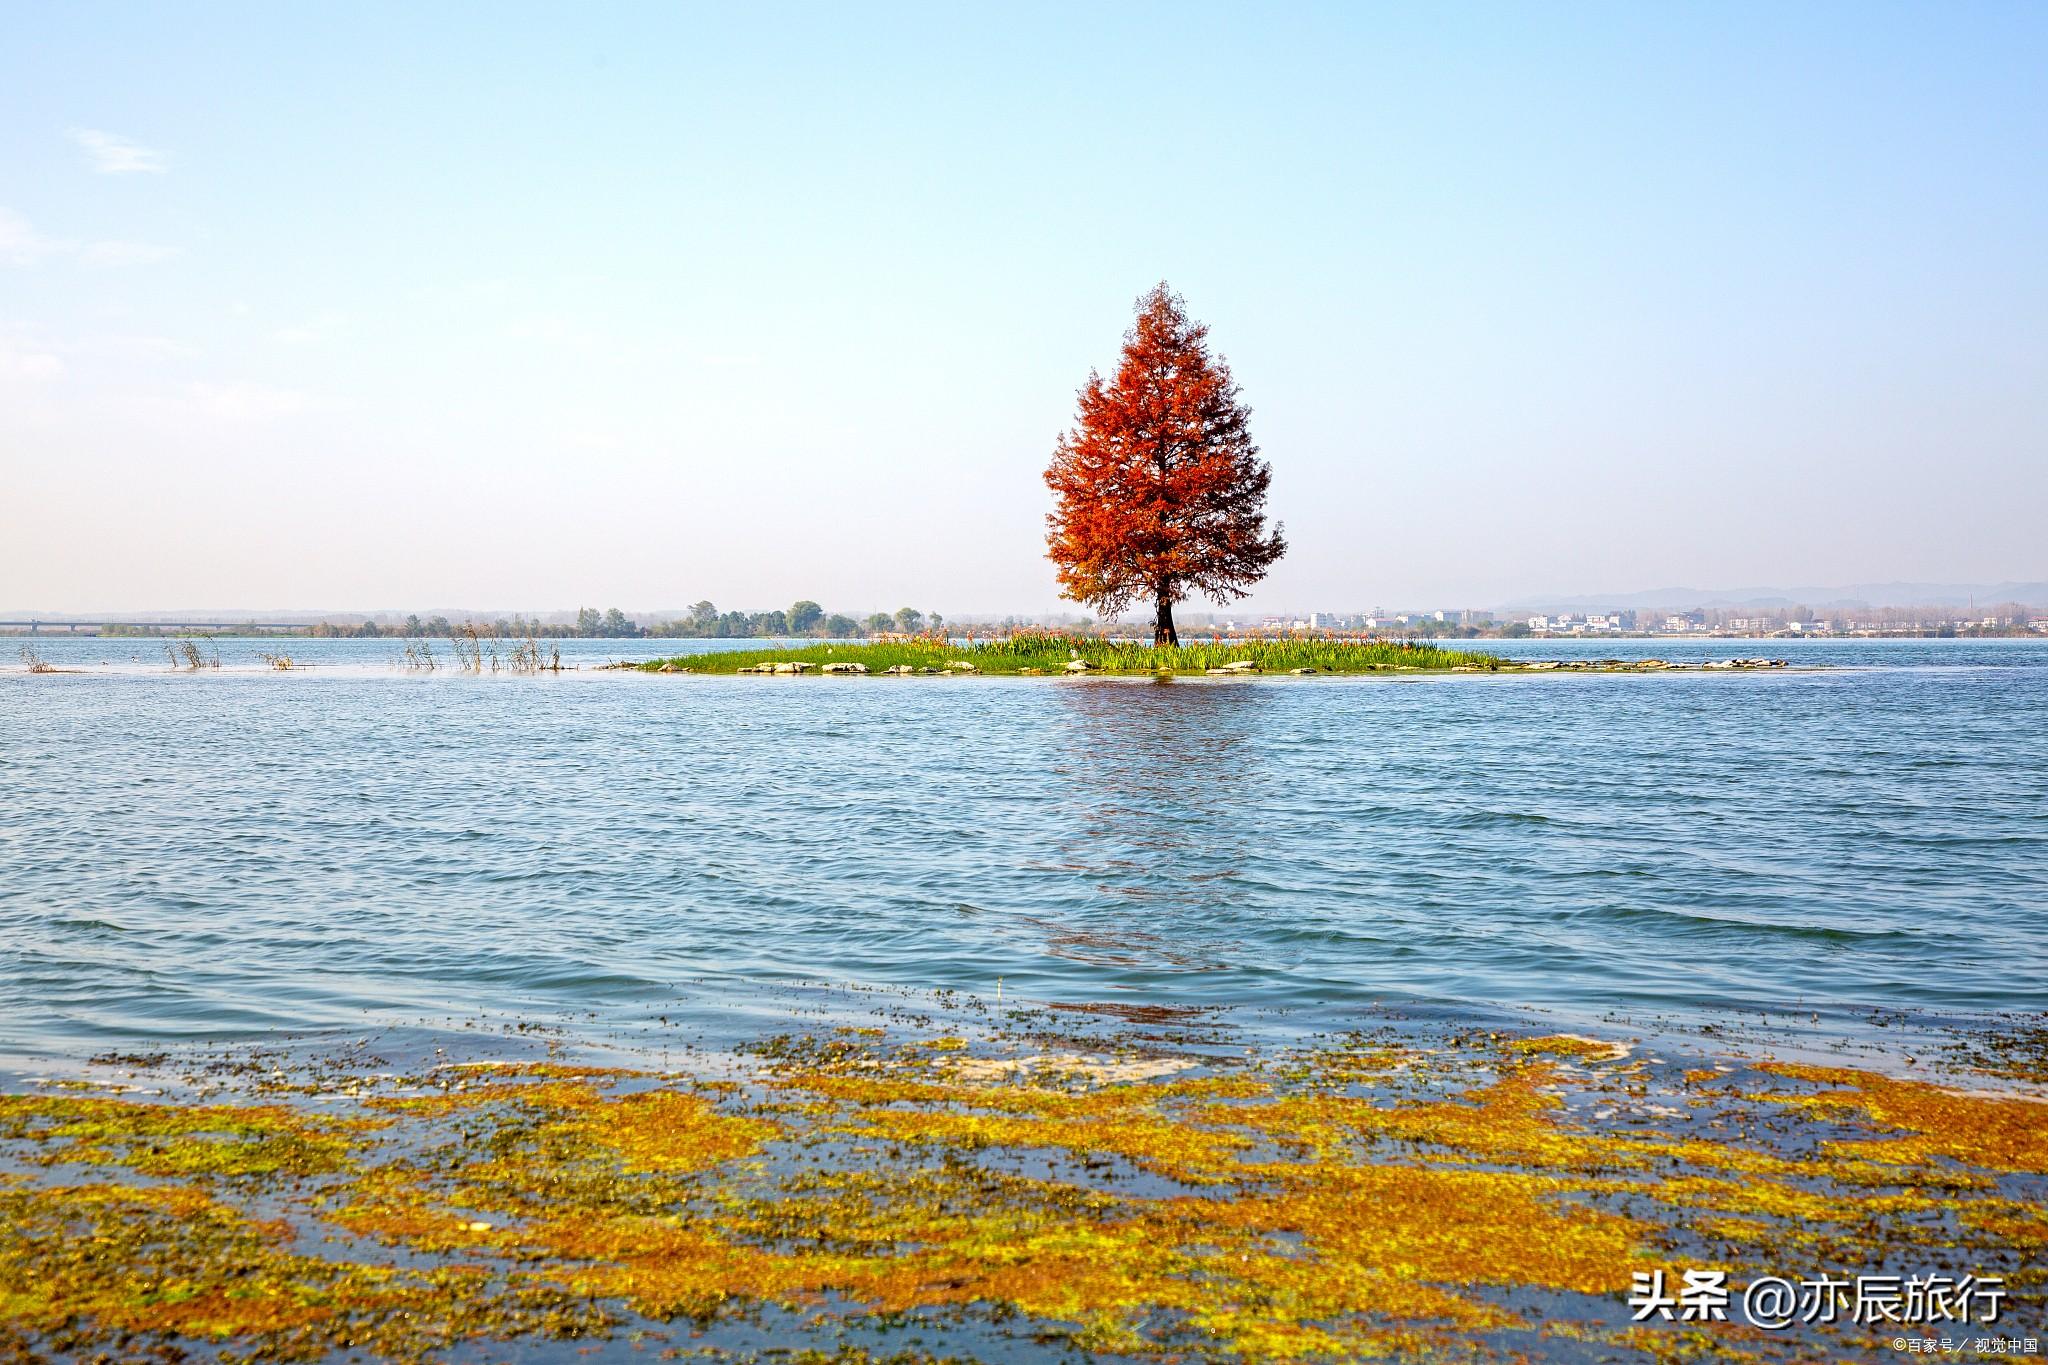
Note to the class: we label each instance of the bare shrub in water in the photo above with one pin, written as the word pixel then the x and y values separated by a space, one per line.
pixel 478 649
pixel 524 656
pixel 472 645
pixel 36 662
pixel 187 654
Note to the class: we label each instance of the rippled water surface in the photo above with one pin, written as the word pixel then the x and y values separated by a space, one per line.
pixel 216 855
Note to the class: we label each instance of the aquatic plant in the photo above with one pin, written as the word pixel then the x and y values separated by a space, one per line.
pixel 479 649
pixel 1361 1196
pixel 526 656
pixel 186 654
pixel 466 644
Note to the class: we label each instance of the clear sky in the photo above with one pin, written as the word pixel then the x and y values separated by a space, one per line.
pixel 367 306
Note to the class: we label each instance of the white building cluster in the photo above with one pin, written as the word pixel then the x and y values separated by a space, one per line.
pixel 1589 623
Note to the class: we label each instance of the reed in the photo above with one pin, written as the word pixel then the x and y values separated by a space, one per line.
pixel 468 649
pixel 186 654
pixel 481 649
pixel 524 654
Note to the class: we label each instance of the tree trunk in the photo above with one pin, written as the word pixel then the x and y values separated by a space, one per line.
pixel 1163 632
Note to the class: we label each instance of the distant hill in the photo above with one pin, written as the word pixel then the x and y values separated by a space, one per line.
pixel 1852 595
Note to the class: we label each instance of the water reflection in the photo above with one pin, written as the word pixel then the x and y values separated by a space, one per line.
pixel 1155 820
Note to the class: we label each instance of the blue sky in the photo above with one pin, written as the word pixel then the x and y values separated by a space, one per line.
pixel 524 306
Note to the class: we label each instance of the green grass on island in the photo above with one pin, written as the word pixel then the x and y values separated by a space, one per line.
pixel 1047 654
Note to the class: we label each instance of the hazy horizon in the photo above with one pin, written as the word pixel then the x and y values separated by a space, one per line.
pixel 651 305
pixel 1871 595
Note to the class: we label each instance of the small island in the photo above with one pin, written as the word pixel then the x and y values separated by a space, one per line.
pixel 1159 493
pixel 1048 655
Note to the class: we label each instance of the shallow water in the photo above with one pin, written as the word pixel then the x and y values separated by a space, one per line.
pixel 212 856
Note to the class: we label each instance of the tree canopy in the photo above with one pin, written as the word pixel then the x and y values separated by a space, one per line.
pixel 1159 491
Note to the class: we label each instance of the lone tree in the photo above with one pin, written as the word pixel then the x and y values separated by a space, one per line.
pixel 1158 491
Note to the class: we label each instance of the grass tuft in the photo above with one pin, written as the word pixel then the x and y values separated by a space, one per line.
pixel 1051 654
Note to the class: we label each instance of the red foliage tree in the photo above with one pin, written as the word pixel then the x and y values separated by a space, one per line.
pixel 1158 491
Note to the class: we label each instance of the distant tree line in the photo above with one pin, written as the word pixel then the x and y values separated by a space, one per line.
pixel 121 630
pixel 705 622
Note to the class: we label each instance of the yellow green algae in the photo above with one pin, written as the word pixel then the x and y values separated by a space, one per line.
pixel 1360 1199
pixel 174 1140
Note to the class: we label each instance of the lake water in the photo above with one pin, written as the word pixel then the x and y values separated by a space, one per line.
pixel 223 855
